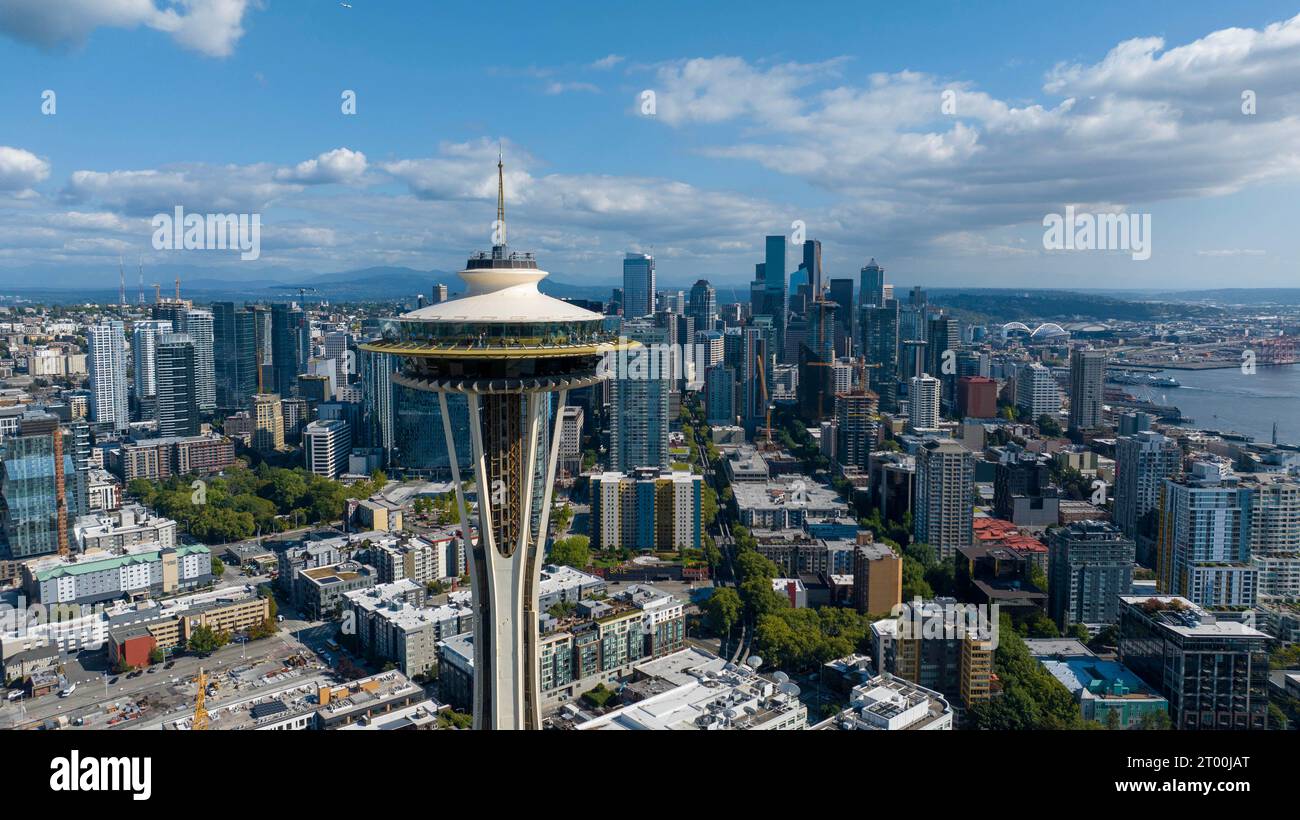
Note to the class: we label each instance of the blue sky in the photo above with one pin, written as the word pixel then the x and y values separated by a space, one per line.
pixel 829 113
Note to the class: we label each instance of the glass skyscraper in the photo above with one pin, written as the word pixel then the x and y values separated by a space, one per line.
pixel 638 285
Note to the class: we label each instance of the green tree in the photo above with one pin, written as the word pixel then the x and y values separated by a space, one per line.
pixel 218 566
pixel 723 610
pixel 574 551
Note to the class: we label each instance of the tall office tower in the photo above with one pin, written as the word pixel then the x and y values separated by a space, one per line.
pixel 1036 391
pixel 144 346
pixel 268 422
pixel 720 396
pixel 703 306
pixel 438 294
pixel 756 373
pixel 1142 463
pixel 106 361
pixel 942 334
pixel 841 293
pixel 857 426
pixel 1201 547
pixel 916 297
pixel 1271 513
pixel 414 451
pixel 1087 388
pixel 1089 566
pixel 879 327
pixel 325 446
pixel 177 402
pixel 515 354
pixel 34 511
pixel 923 398
pixel 1214 673
pixel 197 324
pixel 290 347
pixel 638 402
pixel 816 360
pixel 234 350
pixel 638 285
pixel 336 344
pixel 871 285
pixel 977 397
pixel 944 504
pixel 775 286
pixel 262 329
pixel 377 399
pixel 812 263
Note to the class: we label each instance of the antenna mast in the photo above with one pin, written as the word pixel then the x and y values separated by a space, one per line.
pixel 142 280
pixel 501 198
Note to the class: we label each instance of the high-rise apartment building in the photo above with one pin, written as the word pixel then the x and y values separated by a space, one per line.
pixel 1142 463
pixel 1087 388
pixel 268 422
pixel 144 346
pixel 857 426
pixel 923 397
pixel 1271 513
pixel 944 506
pixel 1202 552
pixel 177 401
pixel 646 510
pixel 106 361
pixel 1036 391
pixel 1089 566
pixel 638 421
pixel 198 324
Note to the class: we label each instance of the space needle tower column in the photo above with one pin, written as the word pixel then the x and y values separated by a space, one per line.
pixel 514 354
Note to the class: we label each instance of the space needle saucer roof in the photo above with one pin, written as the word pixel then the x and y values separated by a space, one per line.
pixel 503 315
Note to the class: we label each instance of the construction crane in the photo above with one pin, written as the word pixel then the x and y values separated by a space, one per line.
pixel 157 293
pixel 200 721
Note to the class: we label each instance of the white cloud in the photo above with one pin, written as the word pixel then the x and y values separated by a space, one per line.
pixel 607 62
pixel 342 165
pixel 210 27
pixel 20 169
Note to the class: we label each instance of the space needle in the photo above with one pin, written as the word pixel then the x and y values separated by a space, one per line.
pixel 514 353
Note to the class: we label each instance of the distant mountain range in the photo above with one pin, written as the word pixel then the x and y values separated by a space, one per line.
pixel 203 285
pixel 75 284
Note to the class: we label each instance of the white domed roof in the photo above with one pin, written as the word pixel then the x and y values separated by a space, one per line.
pixel 503 295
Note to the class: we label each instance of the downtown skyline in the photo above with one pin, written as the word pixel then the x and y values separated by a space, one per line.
pixel 1141 115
